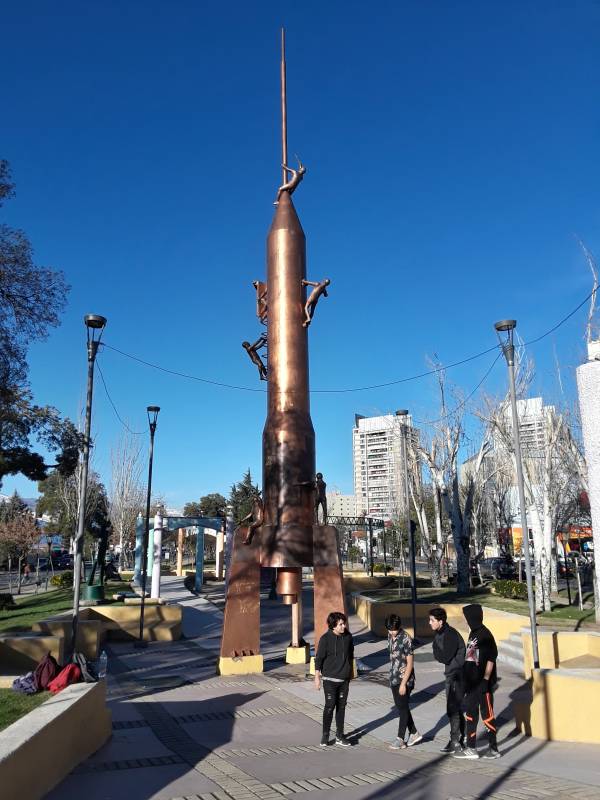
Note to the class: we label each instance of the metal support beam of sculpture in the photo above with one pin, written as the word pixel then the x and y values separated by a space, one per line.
pixel 282 529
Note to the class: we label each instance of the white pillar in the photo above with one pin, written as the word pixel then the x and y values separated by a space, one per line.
pixel 219 555
pixel 588 385
pixel 158 524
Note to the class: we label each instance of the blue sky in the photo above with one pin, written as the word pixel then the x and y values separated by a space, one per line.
pixel 452 154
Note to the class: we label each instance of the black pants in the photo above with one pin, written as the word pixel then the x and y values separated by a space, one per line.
pixel 477 700
pixel 405 717
pixel 336 695
pixel 454 695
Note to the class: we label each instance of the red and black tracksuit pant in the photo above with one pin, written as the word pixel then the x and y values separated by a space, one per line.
pixel 478 700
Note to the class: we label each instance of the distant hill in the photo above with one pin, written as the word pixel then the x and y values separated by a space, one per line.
pixel 29 501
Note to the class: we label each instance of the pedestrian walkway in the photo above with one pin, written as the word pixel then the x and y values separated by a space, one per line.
pixel 180 731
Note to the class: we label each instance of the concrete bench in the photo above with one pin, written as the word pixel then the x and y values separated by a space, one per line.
pixel 161 622
pixel 90 633
pixel 22 652
pixel 43 747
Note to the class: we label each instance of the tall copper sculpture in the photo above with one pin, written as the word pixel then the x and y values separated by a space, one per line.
pixel 284 532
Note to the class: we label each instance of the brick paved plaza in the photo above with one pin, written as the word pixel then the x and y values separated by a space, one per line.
pixel 179 731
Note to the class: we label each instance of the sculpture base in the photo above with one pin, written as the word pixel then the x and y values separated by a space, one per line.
pixel 241 623
pixel 240 665
pixel 298 655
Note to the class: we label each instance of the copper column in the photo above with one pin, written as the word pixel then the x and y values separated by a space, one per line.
pixel 288 435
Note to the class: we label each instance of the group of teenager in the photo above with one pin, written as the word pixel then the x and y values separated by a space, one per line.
pixel 469 675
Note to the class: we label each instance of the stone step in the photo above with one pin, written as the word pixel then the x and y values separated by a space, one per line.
pixel 510 652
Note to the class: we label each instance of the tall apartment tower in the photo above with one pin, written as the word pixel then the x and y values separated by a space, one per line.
pixel 533 423
pixel 378 465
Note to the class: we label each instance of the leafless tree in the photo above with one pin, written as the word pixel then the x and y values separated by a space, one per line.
pixel 126 497
pixel 456 494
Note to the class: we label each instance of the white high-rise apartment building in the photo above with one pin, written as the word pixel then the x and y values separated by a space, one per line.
pixel 533 423
pixel 341 505
pixel 378 465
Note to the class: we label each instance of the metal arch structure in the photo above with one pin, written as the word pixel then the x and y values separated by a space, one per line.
pixel 172 524
pixel 356 522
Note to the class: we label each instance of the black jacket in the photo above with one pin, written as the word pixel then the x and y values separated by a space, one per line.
pixel 481 648
pixel 335 655
pixel 449 649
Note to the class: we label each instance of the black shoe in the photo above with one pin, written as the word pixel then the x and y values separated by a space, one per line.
pixel 325 740
pixel 491 752
pixel 451 747
pixel 341 741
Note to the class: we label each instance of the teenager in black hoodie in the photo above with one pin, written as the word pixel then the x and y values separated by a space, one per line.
pixel 333 663
pixel 479 675
pixel 449 650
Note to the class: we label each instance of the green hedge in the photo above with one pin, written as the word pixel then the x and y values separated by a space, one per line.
pixel 64 580
pixel 511 589
pixel 379 568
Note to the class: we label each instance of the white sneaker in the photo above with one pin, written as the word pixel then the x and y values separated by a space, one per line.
pixel 398 744
pixel 414 739
pixel 468 752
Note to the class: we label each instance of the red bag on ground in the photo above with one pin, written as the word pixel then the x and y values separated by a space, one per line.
pixel 45 672
pixel 68 675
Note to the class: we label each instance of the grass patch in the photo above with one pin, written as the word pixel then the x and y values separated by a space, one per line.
pixel 429 596
pixel 487 599
pixel 13 706
pixel 32 608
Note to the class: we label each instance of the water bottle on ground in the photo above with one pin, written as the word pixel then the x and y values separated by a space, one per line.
pixel 102 665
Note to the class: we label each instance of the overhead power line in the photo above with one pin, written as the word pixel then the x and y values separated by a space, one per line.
pixel 382 385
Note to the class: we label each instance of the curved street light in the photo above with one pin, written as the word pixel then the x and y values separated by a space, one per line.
pixel 95 325
pixel 507 326
pixel 152 412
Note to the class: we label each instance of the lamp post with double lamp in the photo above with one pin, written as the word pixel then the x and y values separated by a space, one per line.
pixel 507 326
pixel 403 414
pixel 152 412
pixel 95 325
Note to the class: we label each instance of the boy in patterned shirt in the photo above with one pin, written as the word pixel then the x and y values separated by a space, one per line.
pixel 402 680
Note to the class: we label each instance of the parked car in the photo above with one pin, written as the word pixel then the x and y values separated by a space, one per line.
pixel 474 574
pixel 499 568
pixel 62 561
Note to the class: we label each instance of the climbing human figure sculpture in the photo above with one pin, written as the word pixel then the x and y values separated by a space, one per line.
pixel 254 518
pixel 320 289
pixel 320 497
pixel 290 185
pixel 252 350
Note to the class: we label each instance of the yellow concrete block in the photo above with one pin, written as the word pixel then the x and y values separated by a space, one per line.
pixel 557 647
pixel 25 651
pixel 40 749
pixel 297 655
pixel 555 714
pixel 240 665
pixel 373 614
pixel 90 633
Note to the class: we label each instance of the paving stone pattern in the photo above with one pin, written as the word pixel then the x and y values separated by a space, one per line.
pixel 256 737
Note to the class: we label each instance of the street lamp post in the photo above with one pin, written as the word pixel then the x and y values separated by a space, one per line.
pixel 94 324
pixel 403 414
pixel 508 348
pixel 370 521
pixel 152 412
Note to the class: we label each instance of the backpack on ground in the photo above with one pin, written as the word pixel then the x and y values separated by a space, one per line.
pixel 88 671
pixel 68 675
pixel 25 684
pixel 45 672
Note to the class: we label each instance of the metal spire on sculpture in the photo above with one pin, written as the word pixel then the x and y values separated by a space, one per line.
pixel 283 530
